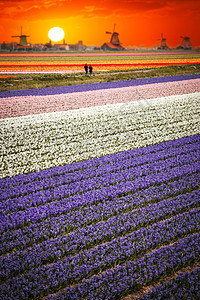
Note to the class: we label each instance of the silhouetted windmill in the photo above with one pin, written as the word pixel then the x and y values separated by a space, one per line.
pixel 114 37
pixel 163 44
pixel 114 43
pixel 23 40
pixel 186 42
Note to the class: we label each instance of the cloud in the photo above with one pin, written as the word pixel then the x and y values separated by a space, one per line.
pixel 21 9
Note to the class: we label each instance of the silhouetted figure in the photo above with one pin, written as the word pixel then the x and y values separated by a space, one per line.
pixel 86 69
pixel 90 69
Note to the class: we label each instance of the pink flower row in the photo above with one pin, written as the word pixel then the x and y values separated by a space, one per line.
pixel 26 105
pixel 41 72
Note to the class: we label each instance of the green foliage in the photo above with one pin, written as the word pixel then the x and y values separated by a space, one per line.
pixel 27 81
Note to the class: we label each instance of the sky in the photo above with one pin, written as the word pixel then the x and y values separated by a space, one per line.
pixel 139 23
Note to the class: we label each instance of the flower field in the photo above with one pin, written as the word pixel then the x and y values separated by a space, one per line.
pixel 99 190
pixel 64 63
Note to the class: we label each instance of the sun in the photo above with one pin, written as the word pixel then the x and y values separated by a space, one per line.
pixel 56 34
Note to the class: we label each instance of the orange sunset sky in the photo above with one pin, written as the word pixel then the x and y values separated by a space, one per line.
pixel 139 23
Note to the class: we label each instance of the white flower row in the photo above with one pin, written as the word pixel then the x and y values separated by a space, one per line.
pixel 36 142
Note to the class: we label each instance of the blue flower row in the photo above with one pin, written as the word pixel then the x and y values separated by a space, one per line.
pixel 64 205
pixel 81 180
pixel 50 228
pixel 104 177
pixel 94 86
pixel 101 232
pixel 86 263
pixel 130 276
pixel 93 164
pixel 184 286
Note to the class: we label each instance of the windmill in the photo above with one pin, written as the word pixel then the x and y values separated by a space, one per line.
pixel 114 37
pixel 114 43
pixel 186 42
pixel 163 44
pixel 23 40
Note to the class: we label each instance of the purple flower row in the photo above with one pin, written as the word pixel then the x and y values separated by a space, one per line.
pixel 81 180
pixel 108 176
pixel 130 276
pixel 184 286
pixel 95 163
pixel 53 250
pixel 64 205
pixel 94 86
pixel 50 228
pixel 112 282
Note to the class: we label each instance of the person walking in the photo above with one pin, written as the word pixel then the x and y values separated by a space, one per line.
pixel 86 69
pixel 90 69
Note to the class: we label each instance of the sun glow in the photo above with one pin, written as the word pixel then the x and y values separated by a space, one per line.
pixel 56 34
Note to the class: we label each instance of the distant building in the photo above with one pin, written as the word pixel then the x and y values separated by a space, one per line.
pixel 97 48
pixel 38 47
pixel 3 46
pixel 77 47
pixel 64 47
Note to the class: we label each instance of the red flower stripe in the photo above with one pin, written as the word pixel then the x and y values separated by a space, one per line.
pixel 103 65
